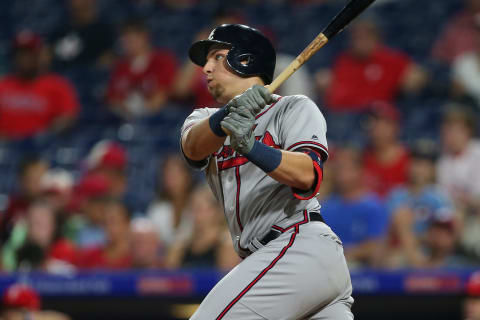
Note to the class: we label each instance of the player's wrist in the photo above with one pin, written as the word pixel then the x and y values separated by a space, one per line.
pixel 215 120
pixel 264 157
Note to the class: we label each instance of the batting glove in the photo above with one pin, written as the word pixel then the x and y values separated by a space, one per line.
pixel 254 99
pixel 240 122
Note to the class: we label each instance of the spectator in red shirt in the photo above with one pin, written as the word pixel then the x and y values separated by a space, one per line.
pixel 115 254
pixel 22 302
pixel 369 71
pixel 30 175
pixel 459 34
pixel 386 161
pixel 32 101
pixel 142 78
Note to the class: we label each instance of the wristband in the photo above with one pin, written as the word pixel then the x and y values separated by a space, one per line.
pixel 264 157
pixel 215 119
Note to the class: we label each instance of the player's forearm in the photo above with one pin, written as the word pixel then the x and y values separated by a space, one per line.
pixel 295 170
pixel 199 142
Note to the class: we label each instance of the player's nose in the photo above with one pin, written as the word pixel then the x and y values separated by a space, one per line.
pixel 209 66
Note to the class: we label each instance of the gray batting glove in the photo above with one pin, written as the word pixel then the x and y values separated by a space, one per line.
pixel 254 99
pixel 240 123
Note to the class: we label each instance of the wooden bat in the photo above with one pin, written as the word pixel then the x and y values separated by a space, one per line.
pixel 341 20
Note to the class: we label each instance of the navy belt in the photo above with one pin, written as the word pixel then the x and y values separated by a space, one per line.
pixel 273 234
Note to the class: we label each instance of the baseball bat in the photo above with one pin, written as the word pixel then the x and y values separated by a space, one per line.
pixel 341 20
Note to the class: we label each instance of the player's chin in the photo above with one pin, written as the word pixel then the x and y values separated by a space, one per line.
pixel 218 93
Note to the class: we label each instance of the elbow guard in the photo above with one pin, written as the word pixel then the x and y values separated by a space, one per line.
pixel 318 171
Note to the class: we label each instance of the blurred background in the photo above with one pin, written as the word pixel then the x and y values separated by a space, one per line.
pixel 101 219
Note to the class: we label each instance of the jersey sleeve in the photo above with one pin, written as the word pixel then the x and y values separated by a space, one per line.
pixel 301 124
pixel 196 116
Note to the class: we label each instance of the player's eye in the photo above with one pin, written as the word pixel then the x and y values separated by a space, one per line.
pixel 219 56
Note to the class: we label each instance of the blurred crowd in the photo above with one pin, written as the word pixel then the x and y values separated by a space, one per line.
pixel 394 204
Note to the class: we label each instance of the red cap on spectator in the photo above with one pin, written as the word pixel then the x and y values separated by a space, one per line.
pixel 385 110
pixel 21 296
pixel 92 185
pixel 107 154
pixel 473 285
pixel 27 39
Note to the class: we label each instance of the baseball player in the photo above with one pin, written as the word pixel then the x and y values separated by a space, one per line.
pixel 265 174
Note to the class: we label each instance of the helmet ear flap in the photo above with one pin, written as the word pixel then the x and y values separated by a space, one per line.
pixel 241 63
pixel 246 59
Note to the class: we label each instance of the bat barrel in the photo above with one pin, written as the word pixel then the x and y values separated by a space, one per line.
pixel 350 12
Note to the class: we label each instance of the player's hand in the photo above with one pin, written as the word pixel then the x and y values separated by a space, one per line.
pixel 240 123
pixel 254 99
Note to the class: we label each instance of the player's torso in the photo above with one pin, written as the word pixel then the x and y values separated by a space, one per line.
pixel 252 200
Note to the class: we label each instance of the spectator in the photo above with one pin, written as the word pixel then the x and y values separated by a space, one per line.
pixel 21 302
pixel 470 236
pixel 457 168
pixel 439 246
pixel 143 77
pixel 466 71
pixel 458 35
pixel 147 250
pixel 301 82
pixel 369 71
pixel 209 245
pixel 84 40
pixel 412 207
pixel 32 101
pixel 169 212
pixel 355 215
pixel 110 159
pixel 386 159
pixel 30 175
pixel 37 243
pixel 115 254
pixel 471 305
pixel 86 226
pixel 56 185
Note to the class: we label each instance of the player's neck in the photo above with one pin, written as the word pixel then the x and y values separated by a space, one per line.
pixel 245 84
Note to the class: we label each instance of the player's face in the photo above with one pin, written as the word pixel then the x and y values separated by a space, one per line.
pixel 222 84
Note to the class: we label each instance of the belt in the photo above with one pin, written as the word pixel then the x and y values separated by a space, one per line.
pixel 273 233
pixel 276 231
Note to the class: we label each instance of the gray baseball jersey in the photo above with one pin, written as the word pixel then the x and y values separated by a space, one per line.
pixel 254 203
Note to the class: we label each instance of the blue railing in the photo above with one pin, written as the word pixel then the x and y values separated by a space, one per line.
pixel 195 283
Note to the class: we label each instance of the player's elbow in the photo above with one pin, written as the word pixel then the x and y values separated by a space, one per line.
pixel 192 150
pixel 304 181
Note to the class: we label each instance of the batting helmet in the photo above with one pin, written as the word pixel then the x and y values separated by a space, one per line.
pixel 251 53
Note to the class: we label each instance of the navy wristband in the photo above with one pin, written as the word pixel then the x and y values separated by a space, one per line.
pixel 264 157
pixel 215 119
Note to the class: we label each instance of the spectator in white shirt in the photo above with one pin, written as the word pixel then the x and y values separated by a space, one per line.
pixel 169 212
pixel 457 168
pixel 466 71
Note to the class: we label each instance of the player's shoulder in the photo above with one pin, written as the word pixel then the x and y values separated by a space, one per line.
pixel 203 111
pixel 286 103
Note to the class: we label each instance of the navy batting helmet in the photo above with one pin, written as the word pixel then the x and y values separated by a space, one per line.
pixel 251 53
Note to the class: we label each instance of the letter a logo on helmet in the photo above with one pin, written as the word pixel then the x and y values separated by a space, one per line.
pixel 251 53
